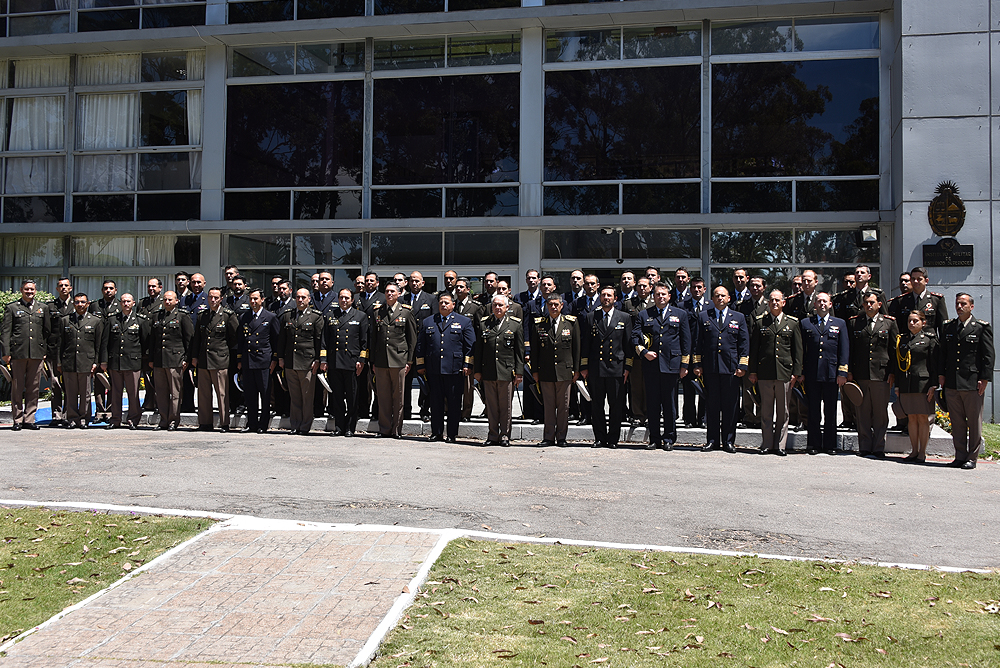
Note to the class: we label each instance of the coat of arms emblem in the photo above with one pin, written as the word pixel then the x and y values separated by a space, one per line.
pixel 946 213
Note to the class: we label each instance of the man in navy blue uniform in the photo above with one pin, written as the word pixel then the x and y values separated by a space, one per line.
pixel 661 336
pixel 256 360
pixel 346 341
pixel 324 298
pixel 826 355
pixel 694 407
pixel 606 359
pixel 722 353
pixel 444 355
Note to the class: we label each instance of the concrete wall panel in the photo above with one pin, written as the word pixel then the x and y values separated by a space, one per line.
pixel 934 86
pixel 922 18
pixel 945 149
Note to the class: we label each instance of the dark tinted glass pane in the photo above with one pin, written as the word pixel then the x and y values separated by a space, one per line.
pixel 33 209
pixel 751 197
pixel 752 247
pixel 318 9
pixel 480 247
pixel 327 249
pixel 19 6
pixel 45 24
pixel 163 118
pixel 824 246
pixel 257 206
pixel 661 198
pixel 405 54
pixel 661 243
pixel 262 61
pixel 623 123
pixel 663 41
pixel 407 6
pixel 580 45
pixel 786 118
pixel 579 244
pixel 258 12
pixel 96 4
pixel 853 32
pixel 165 171
pixel 101 208
pixel 166 17
pixel 169 206
pixel 490 50
pixel 775 278
pixel 580 200
pixel 462 5
pixel 326 58
pixel 187 251
pixel 406 248
pixel 446 129
pixel 342 278
pixel 466 202
pixel 315 140
pixel 164 66
pixel 757 37
pixel 836 196
pixel 325 205
pixel 118 19
pixel 406 203
pixel 258 249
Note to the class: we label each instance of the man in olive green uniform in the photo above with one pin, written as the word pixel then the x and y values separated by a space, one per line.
pixel 873 338
pixel 60 306
pixel 775 365
pixel 466 305
pixel 106 306
pixel 555 365
pixel 125 337
pixel 392 353
pixel 969 355
pixel 216 332
pixel 78 341
pixel 499 358
pixel 931 304
pixel 24 340
pixel 300 352
pixel 153 301
pixel 171 333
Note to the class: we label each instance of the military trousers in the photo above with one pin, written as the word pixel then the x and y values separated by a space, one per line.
pixel 499 396
pixel 25 376
pixel 774 398
pixel 965 408
pixel 58 400
pixel 638 404
pixel 219 380
pixel 607 425
pixel 168 394
pixel 661 404
pixel 257 397
pixel 445 388
pixel 127 382
pixel 390 383
pixel 555 400
pixel 722 403
pixel 300 398
pixel 872 416
pixel 821 397
pixel 343 400
pixel 77 397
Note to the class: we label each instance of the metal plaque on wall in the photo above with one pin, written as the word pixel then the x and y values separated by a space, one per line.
pixel 948 253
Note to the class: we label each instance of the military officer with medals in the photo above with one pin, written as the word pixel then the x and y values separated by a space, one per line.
pixel 916 366
pixel 60 306
pixel 106 306
pixel 216 334
pixel 171 335
pixel 25 334
pixel 825 357
pixel 640 300
pixel 422 305
pixel 153 301
pixel 346 341
pixel 126 335
pixel 800 305
pixel 238 301
pixel 968 358
pixel 775 365
pixel 445 346
pixel 694 404
pixel 751 307
pixel 195 301
pixel 499 359
pixel 931 304
pixel 661 337
pixel 605 362
pixel 369 300
pixel 391 354
pixel 256 360
pixel 873 338
pixel 78 343
pixel 555 366
pixel 851 302
pixel 300 352
pixel 474 311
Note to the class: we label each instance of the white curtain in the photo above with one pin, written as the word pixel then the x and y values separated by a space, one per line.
pixel 195 65
pixel 91 285
pixel 111 68
pixel 103 251
pixel 194 119
pixel 108 121
pixel 36 123
pixel 33 252
pixel 41 72
pixel 105 173
pixel 155 250
pixel 34 175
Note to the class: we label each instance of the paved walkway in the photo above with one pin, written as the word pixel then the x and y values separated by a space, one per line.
pixel 239 595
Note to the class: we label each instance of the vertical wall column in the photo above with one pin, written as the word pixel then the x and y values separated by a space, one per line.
pixel 213 134
pixel 532 129
pixel 529 256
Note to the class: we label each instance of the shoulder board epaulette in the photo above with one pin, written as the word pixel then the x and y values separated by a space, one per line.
pixel 514 318
pixel 540 320
pixel 761 316
pixel 951 320
pixel 984 322
pixel 791 317
pixel 934 294
pixel 183 309
pixel 484 318
pixel 226 309
pixel 889 317
pixel 141 316
pixel 571 318
pixel 409 306
pixel 855 317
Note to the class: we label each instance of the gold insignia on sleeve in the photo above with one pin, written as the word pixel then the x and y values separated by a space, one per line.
pixel 696 359
pixel 685 359
pixel 842 367
pixel 744 360
pixel 571 318
pixel 364 354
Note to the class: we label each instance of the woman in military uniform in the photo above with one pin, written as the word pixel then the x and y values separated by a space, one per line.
pixel 917 363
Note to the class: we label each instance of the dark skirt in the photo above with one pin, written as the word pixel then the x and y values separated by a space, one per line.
pixel 915 403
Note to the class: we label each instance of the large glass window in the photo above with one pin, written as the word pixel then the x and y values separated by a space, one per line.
pixel 132 14
pixel 34 17
pixel 296 256
pixel 415 6
pixel 849 33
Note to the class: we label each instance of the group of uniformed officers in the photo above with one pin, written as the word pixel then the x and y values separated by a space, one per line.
pixel 608 353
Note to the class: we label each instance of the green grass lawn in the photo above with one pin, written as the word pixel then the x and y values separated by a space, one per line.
pixel 52 559
pixel 497 604
pixel 991 435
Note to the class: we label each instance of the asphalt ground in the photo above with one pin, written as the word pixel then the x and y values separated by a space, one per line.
pixel 813 506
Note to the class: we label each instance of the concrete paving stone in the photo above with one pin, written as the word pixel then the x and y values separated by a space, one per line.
pixel 238 649
pixel 225 582
pixel 304 581
pixel 315 651
pixel 269 600
pixel 253 566
pixel 394 553
pixel 96 618
pixel 333 553
pixel 163 580
pixel 169 621
pixel 150 646
pixel 255 624
pixel 197 600
pixel 64 641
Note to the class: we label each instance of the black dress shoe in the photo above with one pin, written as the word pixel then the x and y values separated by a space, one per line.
pixel 113 426
pixel 247 430
pixel 132 426
pixel 546 444
pixel 597 444
pixel 436 438
pixel 562 443
pixel 337 432
pixel 536 422
pixel 729 447
pixel 262 431
pixel 72 425
pixel 173 427
pixel 969 465
pixel 613 446
pixel 206 427
pixel 489 443
pixel 224 430
pixel 708 447
pixel 652 445
pixel 292 432
pixel 451 439
pixel 349 433
pixel 159 427
pixel 667 445
pixel 16 426
pixel 780 452
pixel 31 425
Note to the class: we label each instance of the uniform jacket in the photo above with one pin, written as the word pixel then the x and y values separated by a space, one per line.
pixel 799 305
pixel 916 362
pixel 694 311
pixel 278 309
pixel 322 304
pixel 606 350
pixel 932 305
pixel 851 302
pixel 722 348
pixel 105 309
pixel 422 306
pixel 499 352
pixel 898 307
pixel 776 348
pixel 445 345
pixel 668 336
pixel 525 299
pixel 196 303
pixel 345 337
pixel 393 337
pixel 826 350
pixel 125 341
pixel 258 341
pixel 555 353
pixel 80 339
pixel 968 353
pixel 25 331
pixel 584 305
pixel 60 307
pixel 369 304
pixel 751 308
pixel 170 338
pixel 150 304
pixel 634 304
pixel 300 342
pixel 216 333
pixel 870 350
pixel 238 305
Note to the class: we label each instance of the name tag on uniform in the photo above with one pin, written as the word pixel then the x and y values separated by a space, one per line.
pixel 353 322
pixel 834 329
pixel 456 325
pixel 734 325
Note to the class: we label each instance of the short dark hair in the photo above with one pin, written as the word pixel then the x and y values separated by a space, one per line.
pixel 111 281
pixel 349 291
pixel 920 269
pixel 231 266
pixel 371 273
pixel 81 294
pixel 443 294
pixel 554 297
pixel 215 289
pixel 660 284
pixel 697 279
pixel 182 273
pixel 972 300
pixel 159 283
pixel 257 290
pixel 26 281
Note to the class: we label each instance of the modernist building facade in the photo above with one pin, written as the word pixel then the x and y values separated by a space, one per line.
pixel 289 135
